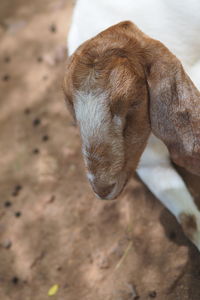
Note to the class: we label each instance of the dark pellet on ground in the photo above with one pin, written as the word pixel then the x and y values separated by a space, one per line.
pixel 152 294
pixel 18 187
pixel 172 235
pixel 36 122
pixel 27 111
pixel 15 280
pixel 136 298
pixel 45 138
pixel 53 28
pixel 15 193
pixel 40 59
pixel 36 151
pixel 18 214
pixel 6 77
pixel 7 204
pixel 7 59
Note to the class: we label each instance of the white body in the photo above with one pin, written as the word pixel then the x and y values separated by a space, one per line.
pixel 177 25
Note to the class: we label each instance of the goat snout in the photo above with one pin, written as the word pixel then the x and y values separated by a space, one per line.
pixel 104 192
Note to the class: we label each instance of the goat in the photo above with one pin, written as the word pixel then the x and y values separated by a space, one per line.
pixel 120 86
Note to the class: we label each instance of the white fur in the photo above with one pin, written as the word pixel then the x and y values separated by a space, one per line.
pixel 90 176
pixel 92 115
pixel 165 183
pixel 176 23
pixel 157 172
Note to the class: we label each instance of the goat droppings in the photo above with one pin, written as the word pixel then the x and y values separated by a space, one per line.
pixel 7 204
pixel 18 187
pixel 152 294
pixel 36 122
pixel 7 59
pixel 27 111
pixel 53 28
pixel 36 151
pixel 45 138
pixel 15 193
pixel 39 59
pixel 18 214
pixel 15 280
pixel 6 77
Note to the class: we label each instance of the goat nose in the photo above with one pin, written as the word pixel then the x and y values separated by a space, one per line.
pixel 104 192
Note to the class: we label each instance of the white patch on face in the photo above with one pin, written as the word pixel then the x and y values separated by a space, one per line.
pixel 92 115
pixel 85 152
pixel 97 127
pixel 90 177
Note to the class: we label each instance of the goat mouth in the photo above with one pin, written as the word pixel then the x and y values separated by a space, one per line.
pixel 119 187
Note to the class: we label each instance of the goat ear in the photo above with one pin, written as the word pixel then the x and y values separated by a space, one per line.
pixel 175 109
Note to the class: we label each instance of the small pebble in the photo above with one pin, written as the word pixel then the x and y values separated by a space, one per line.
pixel 36 151
pixel 153 294
pixel 18 214
pixel 7 59
pixel 15 280
pixel 36 122
pixel 53 28
pixel 7 204
pixel 45 138
pixel 7 244
pixel 27 111
pixel 6 77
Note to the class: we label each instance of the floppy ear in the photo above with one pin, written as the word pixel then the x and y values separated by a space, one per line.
pixel 174 108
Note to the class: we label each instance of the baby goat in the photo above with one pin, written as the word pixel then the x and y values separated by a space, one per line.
pixel 120 86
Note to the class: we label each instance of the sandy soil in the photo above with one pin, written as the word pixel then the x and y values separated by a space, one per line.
pixel 52 228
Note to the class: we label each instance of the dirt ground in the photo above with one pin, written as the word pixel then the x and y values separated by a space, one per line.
pixel 52 228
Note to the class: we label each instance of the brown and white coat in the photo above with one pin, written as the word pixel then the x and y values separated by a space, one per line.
pixel 120 86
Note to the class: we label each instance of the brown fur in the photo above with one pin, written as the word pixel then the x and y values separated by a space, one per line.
pixel 146 87
pixel 189 224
